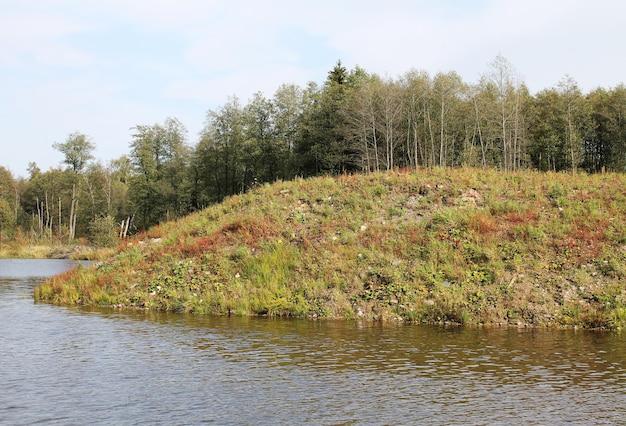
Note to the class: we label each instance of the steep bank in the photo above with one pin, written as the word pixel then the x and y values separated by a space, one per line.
pixel 445 245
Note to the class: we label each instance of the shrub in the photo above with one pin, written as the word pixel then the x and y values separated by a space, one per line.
pixel 103 231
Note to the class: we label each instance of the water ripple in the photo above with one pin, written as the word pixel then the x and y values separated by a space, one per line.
pixel 71 366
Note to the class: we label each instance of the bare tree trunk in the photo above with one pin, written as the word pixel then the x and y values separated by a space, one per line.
pixel 39 218
pixel 480 136
pixel 108 191
pixel 375 142
pixel 17 203
pixel 124 227
pixel 92 196
pixel 48 220
pixel 515 132
pixel 415 145
pixel 441 132
pixel 72 221
pixel 570 137
pixel 59 230
pixel 504 139
pixel 365 157
pixel 432 139
pixel 418 147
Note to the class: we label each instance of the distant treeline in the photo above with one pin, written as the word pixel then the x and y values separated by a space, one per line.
pixel 354 122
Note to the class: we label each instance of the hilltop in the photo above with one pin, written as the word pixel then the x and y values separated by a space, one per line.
pixel 467 246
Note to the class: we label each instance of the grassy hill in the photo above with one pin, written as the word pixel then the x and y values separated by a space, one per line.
pixel 444 245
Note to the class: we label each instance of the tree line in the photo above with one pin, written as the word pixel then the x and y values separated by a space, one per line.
pixel 354 121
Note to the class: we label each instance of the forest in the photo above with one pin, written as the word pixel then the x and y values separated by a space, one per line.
pixel 354 122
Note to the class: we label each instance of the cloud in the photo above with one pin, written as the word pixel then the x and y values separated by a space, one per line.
pixel 243 83
pixel 227 48
pixel 102 67
pixel 40 40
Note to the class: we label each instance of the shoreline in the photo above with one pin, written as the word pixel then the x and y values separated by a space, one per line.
pixel 457 246
pixel 13 250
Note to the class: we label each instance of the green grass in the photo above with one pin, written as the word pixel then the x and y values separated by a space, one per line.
pixel 463 246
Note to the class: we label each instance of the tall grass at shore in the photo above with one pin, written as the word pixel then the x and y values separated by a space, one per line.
pixel 51 250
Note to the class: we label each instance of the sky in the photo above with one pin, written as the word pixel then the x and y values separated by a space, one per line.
pixel 103 67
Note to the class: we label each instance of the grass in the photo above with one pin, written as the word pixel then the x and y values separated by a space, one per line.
pixel 24 251
pixel 21 250
pixel 463 246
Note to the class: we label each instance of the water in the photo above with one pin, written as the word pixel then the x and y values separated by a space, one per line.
pixel 85 366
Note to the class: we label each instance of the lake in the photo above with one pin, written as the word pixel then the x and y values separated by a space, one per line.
pixel 72 366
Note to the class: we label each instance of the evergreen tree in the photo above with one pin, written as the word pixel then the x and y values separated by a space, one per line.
pixel 324 146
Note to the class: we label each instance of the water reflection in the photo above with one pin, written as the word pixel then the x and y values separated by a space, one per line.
pixel 554 358
pixel 35 268
pixel 485 373
pixel 129 367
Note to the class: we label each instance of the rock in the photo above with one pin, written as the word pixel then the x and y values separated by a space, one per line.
pixel 472 196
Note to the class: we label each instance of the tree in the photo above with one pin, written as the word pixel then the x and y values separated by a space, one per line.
pixel 289 104
pixel 51 201
pixel 504 114
pixel 263 152
pixel 205 174
pixel 78 149
pixel 547 150
pixel 10 192
pixel 7 219
pixel 323 144
pixel 103 231
pixel 117 179
pixel 390 119
pixel 220 152
pixel 447 89
pixel 606 144
pixel 418 88
pixel 363 130
pixel 577 116
pixel 160 157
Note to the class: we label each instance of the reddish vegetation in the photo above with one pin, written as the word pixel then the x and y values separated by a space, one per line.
pixel 483 223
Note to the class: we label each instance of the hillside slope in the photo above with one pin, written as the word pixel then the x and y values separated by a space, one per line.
pixel 445 245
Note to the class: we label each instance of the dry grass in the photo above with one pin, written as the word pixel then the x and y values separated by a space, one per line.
pixel 25 251
pixel 22 250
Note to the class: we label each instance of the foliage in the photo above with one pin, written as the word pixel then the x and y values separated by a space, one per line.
pixel 103 232
pixel 353 122
pixel 158 187
pixel 77 149
pixel 7 220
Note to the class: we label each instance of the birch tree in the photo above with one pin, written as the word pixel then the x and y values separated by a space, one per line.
pixel 417 93
pixel 576 116
pixel 505 84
